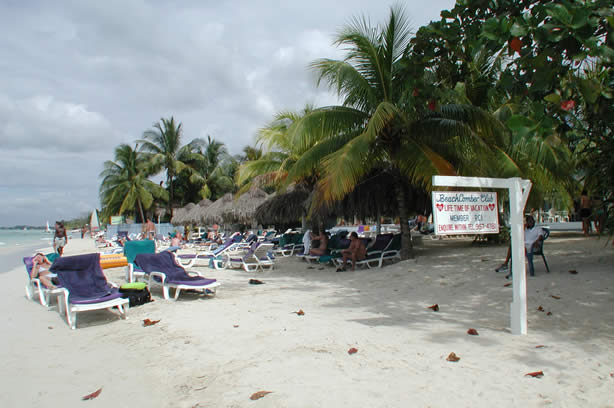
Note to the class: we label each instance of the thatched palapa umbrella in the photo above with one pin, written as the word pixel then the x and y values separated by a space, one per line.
pixel 243 208
pixel 284 208
pixel 179 216
pixel 213 213
pixel 195 215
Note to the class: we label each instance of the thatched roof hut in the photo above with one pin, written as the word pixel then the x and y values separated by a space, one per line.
pixel 284 208
pixel 213 213
pixel 179 215
pixel 195 215
pixel 243 208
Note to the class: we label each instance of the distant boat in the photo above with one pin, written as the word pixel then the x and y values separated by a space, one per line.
pixel 48 229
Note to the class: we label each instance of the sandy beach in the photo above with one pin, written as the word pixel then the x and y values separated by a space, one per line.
pixel 218 351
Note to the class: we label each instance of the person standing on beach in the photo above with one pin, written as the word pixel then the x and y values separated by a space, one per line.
pixel 149 229
pixel 59 238
pixel 585 212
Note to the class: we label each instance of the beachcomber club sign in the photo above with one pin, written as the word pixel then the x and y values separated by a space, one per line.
pixel 465 212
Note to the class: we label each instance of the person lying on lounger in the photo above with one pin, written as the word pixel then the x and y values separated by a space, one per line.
pixel 40 270
pixel 355 252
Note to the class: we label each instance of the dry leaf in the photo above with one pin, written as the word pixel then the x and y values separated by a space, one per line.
pixel 92 395
pixel 148 322
pixel 453 357
pixel 353 350
pixel 507 284
pixel 300 312
pixel 556 297
pixel 540 346
pixel 549 314
pixel 259 394
pixel 611 374
pixel 435 307
pixel 235 325
pixel 535 374
pixel 472 332
pixel 573 272
pixel 540 308
pixel 50 327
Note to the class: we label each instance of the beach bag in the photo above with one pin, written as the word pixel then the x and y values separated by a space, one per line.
pixel 137 293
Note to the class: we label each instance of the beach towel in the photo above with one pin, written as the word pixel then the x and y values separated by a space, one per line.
pixel 165 262
pixel 82 276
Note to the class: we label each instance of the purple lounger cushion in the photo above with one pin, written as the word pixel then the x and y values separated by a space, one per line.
pixel 82 276
pixel 165 262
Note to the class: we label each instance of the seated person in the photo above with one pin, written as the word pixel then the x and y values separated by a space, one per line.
pixel 533 236
pixel 40 270
pixel 355 252
pixel 323 247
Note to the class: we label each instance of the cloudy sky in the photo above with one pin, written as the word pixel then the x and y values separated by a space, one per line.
pixel 79 77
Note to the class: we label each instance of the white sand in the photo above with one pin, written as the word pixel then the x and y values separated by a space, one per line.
pixel 196 357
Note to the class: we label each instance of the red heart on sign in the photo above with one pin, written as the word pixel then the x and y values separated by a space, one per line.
pixel 491 207
pixel 439 206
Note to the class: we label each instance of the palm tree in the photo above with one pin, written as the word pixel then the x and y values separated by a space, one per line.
pixel 378 127
pixel 125 186
pixel 163 143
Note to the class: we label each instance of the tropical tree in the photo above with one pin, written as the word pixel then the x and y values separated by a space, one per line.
pixel 165 152
pixel 383 124
pixel 204 175
pixel 125 186
pixel 278 154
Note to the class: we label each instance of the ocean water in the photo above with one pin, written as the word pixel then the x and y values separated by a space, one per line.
pixel 15 244
pixel 17 238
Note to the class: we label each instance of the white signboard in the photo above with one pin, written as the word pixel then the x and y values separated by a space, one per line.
pixel 465 212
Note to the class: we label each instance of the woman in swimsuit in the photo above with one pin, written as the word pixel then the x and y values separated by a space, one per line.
pixel 40 270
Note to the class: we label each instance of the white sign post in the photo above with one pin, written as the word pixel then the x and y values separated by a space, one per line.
pixel 519 192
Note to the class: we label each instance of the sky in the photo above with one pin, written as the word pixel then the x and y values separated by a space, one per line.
pixel 80 77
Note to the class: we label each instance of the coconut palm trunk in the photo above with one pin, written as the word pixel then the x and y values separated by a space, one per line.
pixel 406 244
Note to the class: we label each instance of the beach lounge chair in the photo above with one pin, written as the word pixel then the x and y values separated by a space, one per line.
pixel 213 257
pixel 131 250
pixel 250 259
pixel 164 269
pixel 84 287
pixel 391 251
pixel 35 286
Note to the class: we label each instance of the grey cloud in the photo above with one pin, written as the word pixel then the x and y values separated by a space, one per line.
pixel 81 77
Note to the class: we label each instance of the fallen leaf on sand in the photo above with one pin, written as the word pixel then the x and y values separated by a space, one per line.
pixel 540 308
pixel 235 325
pixel 92 395
pixel 472 332
pixel 435 307
pixel 453 357
pixel 50 327
pixel 259 394
pixel 353 350
pixel 255 282
pixel 540 346
pixel 556 297
pixel 148 322
pixel 507 284
pixel 300 312
pixel 573 272
pixel 535 374
pixel 549 314
pixel 611 374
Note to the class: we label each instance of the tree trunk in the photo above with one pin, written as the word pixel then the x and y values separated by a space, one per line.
pixel 140 206
pixel 406 244
pixel 170 196
pixel 303 222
